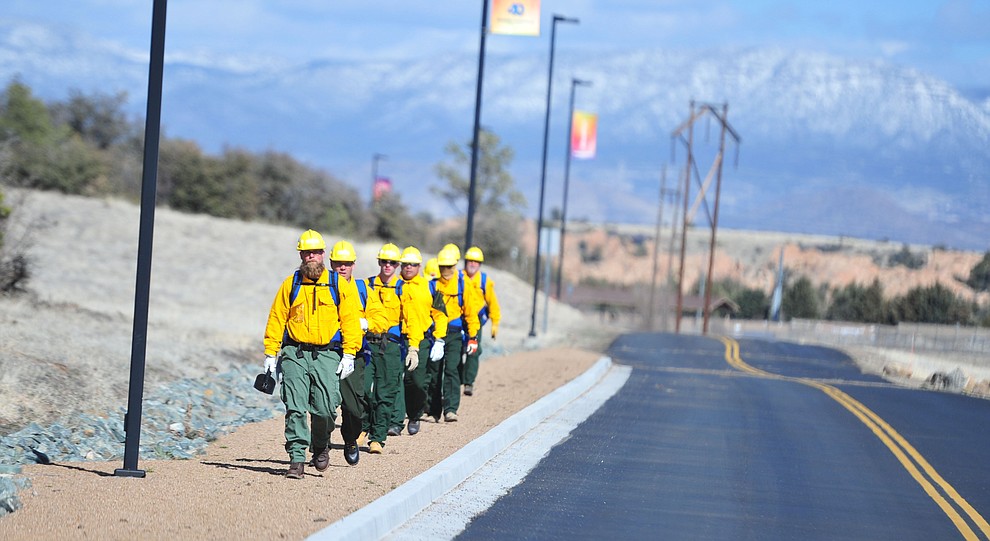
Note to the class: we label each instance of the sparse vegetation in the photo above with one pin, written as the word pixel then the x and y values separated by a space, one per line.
pixel 800 300
pixel 498 204
pixel 87 145
pixel 933 304
pixel 859 303
pixel 14 269
pixel 979 275
pixel 907 258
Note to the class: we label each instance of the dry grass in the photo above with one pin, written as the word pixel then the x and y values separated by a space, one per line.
pixel 65 346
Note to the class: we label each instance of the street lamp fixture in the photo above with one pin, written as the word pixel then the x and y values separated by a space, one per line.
pixel 567 177
pixel 472 184
pixel 543 174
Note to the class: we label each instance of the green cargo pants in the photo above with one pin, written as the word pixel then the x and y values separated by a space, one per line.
pixel 353 402
pixel 387 367
pixel 412 394
pixel 309 385
pixel 443 380
pixel 469 369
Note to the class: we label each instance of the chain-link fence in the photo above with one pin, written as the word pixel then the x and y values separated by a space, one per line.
pixel 911 337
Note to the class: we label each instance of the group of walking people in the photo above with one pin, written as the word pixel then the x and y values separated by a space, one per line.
pixel 388 351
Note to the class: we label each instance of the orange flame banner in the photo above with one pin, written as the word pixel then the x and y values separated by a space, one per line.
pixel 584 135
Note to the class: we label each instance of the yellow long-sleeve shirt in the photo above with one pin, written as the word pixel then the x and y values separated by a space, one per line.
pixel 369 306
pixel 387 312
pixel 488 292
pixel 473 302
pixel 313 317
pixel 419 311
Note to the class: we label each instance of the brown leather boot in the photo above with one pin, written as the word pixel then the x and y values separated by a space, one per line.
pixel 296 470
pixel 321 460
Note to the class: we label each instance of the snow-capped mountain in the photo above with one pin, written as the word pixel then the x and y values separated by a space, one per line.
pixel 829 145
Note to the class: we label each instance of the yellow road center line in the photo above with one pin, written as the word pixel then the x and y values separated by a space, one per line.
pixel 896 443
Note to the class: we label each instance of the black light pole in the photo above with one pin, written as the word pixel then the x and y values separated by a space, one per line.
pixel 567 177
pixel 375 158
pixel 146 234
pixel 468 235
pixel 543 174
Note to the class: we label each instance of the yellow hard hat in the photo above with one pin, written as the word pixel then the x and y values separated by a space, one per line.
pixel 453 248
pixel 389 252
pixel 343 251
pixel 311 240
pixel 411 255
pixel 474 254
pixel 432 268
pixel 448 255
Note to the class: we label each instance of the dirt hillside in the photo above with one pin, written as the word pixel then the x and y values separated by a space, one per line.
pixel 623 254
pixel 65 345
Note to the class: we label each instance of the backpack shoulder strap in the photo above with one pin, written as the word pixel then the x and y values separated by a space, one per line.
pixel 334 290
pixel 362 287
pixel 296 282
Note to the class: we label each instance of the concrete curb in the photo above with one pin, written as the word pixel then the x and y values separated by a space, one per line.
pixel 381 516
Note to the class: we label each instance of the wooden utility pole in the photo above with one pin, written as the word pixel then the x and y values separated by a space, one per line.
pixel 716 171
pixel 687 196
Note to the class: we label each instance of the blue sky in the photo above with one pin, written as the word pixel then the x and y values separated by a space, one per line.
pixel 946 38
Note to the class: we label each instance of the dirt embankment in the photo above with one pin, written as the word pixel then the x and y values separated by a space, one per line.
pixel 65 345
pixel 624 255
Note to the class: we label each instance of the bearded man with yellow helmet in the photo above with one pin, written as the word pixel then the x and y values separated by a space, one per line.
pixel 300 352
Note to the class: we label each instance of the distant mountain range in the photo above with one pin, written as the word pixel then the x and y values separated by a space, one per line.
pixel 829 145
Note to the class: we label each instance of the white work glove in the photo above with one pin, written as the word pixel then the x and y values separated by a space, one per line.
pixel 412 360
pixel 472 346
pixel 364 325
pixel 271 367
pixel 346 366
pixel 436 352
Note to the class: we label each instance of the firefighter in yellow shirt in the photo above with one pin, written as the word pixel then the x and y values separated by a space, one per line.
pixel 353 390
pixel 462 303
pixel 387 344
pixel 305 315
pixel 473 258
pixel 431 270
pixel 424 324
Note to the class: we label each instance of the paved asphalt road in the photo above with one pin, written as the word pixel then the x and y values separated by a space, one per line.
pixel 718 439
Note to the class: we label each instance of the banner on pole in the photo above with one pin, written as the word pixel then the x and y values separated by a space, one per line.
pixel 584 135
pixel 382 186
pixel 515 17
